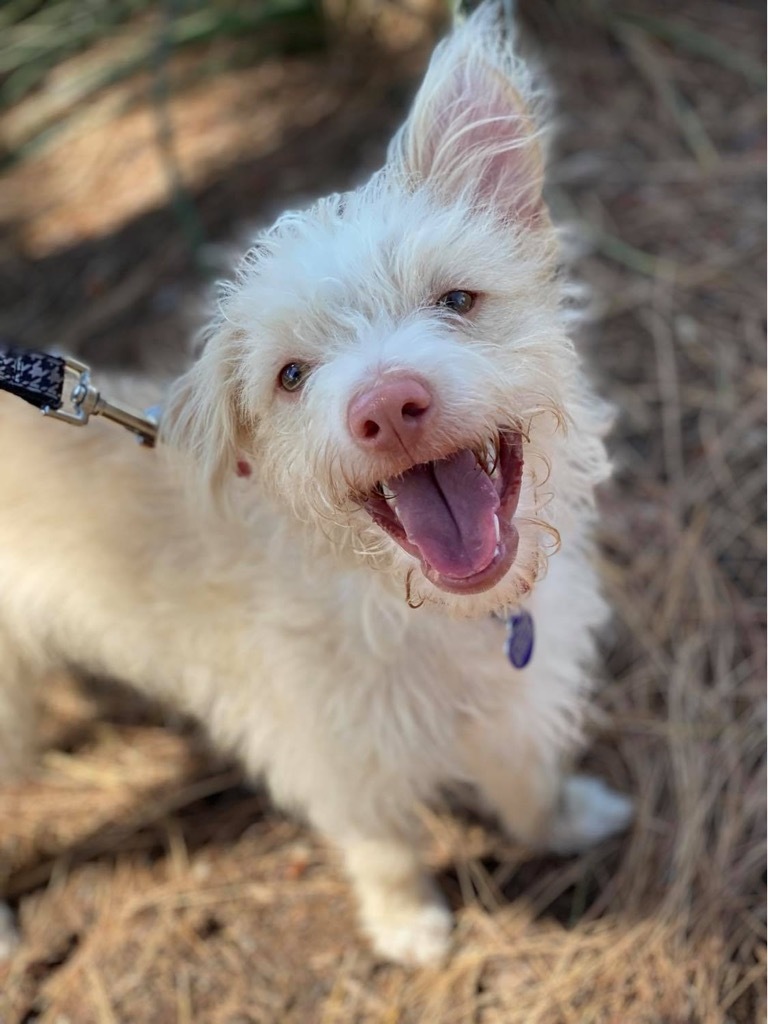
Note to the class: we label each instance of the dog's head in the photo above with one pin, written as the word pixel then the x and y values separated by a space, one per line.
pixel 392 364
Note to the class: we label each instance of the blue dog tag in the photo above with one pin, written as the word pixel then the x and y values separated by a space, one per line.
pixel 519 645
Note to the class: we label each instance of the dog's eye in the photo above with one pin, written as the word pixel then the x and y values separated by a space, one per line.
pixel 457 301
pixel 293 376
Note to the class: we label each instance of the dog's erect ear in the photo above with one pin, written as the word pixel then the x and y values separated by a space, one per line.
pixel 204 418
pixel 471 131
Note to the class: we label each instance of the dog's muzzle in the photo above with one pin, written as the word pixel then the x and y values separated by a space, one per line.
pixel 454 514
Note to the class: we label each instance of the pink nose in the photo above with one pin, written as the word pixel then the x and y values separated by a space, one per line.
pixel 390 415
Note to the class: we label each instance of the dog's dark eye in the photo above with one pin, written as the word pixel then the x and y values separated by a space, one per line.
pixel 293 376
pixel 457 301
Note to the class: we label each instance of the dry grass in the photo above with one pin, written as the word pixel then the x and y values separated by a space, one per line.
pixel 151 886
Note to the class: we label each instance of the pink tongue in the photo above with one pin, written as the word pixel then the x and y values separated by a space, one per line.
pixel 447 510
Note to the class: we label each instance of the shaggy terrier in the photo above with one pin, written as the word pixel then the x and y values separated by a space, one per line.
pixel 387 444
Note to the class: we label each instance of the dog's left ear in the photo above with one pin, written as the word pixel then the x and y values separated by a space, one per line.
pixel 471 131
pixel 204 417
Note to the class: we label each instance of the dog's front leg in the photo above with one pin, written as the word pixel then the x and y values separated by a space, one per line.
pixel 372 820
pixel 518 770
pixel 368 812
pixel 401 910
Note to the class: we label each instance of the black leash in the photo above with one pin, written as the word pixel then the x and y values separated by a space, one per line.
pixel 40 378
pixel 37 377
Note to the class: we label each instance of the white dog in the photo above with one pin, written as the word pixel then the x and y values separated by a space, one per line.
pixel 399 440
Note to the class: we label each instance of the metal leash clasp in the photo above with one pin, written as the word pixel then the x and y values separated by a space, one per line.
pixel 85 400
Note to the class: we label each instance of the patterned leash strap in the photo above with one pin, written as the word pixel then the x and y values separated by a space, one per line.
pixel 40 378
pixel 37 377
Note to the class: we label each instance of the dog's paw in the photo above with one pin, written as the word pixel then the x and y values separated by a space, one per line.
pixel 417 937
pixel 9 936
pixel 589 811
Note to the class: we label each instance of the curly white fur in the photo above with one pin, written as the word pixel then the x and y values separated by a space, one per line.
pixel 276 613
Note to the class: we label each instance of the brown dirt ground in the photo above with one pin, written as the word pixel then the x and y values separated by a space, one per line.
pixel 151 884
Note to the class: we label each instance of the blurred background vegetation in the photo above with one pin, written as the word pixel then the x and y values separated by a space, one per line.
pixel 37 37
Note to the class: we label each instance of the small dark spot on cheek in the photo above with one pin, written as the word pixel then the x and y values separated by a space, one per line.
pixel 244 467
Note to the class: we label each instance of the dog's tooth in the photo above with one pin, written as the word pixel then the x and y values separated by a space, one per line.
pixel 492 459
pixel 497 528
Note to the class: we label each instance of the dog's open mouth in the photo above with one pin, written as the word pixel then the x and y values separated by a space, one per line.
pixel 455 514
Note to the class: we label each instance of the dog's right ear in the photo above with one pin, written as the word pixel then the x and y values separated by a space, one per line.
pixel 204 417
pixel 471 132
